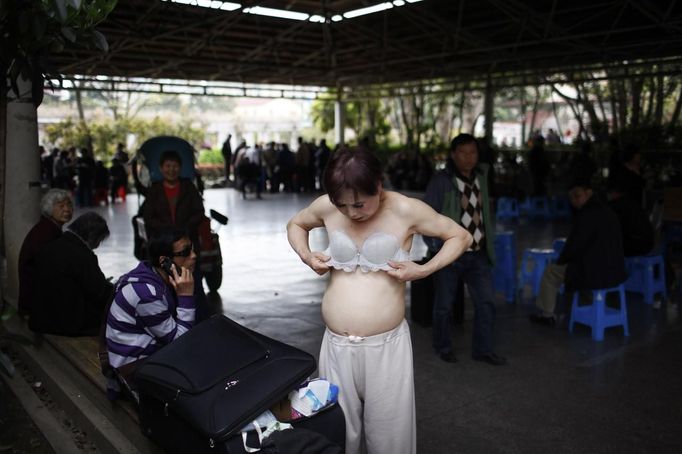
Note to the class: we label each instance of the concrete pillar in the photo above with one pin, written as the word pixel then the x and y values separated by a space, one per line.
pixel 22 180
pixel 489 110
pixel 339 121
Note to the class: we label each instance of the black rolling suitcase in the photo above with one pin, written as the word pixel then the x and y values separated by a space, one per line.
pixel 197 393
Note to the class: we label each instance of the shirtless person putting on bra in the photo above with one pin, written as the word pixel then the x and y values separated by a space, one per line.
pixel 366 348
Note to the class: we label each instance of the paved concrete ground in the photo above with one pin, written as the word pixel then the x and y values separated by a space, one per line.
pixel 560 393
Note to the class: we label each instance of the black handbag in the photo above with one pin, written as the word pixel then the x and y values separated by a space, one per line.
pixel 198 392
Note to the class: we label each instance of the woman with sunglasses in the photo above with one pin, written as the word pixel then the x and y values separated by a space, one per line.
pixel 154 303
pixel 366 348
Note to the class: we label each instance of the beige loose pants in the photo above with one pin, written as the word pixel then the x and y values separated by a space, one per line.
pixel 376 389
pixel 551 282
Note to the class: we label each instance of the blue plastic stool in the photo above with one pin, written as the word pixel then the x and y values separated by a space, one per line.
pixel 560 207
pixel 558 245
pixel 538 207
pixel 533 264
pixel 507 208
pixel 646 275
pixel 597 315
pixel 504 273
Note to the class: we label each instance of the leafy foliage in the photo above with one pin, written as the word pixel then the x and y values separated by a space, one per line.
pixel 32 30
pixel 105 134
pixel 213 156
pixel 367 118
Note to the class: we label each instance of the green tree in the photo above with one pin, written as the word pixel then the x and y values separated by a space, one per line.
pixel 106 133
pixel 637 103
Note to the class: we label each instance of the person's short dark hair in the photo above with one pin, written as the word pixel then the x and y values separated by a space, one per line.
pixel 170 155
pixel 91 228
pixel 161 242
pixel 352 168
pixel 462 139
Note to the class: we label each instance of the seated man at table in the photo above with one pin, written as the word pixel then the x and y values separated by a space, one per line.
pixel 592 257
pixel 71 292
pixel 154 303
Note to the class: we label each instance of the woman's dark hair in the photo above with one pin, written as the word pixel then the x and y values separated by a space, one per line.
pixel 170 155
pixel 91 228
pixel 352 168
pixel 161 243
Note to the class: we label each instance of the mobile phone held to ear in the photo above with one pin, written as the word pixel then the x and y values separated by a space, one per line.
pixel 167 265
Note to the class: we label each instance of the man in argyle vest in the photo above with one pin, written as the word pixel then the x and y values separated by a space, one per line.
pixel 461 193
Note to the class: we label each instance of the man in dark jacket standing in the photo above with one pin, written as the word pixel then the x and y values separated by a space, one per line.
pixel 592 257
pixel 461 193
pixel 227 157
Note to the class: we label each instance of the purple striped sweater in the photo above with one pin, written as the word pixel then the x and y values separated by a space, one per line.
pixel 144 316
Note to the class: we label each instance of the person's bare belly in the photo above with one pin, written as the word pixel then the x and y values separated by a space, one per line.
pixel 363 304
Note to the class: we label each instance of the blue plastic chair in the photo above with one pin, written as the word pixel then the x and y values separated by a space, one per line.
pixel 504 273
pixel 507 208
pixel 646 275
pixel 558 245
pixel 597 315
pixel 560 207
pixel 533 264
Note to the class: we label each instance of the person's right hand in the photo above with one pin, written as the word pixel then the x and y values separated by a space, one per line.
pixel 182 282
pixel 317 261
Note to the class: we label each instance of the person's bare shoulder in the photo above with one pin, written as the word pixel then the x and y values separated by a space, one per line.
pixel 322 206
pixel 400 204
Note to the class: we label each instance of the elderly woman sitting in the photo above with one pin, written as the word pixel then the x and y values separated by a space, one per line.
pixel 56 208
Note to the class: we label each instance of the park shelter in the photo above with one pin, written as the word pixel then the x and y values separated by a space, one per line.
pixel 357 46
pixel 360 47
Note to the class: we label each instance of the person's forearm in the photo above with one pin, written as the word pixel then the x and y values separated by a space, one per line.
pixel 186 313
pixel 451 250
pixel 298 238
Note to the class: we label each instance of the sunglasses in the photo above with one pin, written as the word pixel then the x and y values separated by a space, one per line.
pixel 185 252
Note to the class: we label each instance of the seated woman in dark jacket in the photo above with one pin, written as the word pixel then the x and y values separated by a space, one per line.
pixel 56 209
pixel 72 291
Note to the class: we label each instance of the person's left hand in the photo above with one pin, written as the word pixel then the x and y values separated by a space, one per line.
pixel 406 271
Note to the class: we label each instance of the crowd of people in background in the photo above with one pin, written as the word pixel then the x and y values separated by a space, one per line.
pixel 274 167
pixel 77 171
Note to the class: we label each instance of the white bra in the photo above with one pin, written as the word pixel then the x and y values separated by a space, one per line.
pixel 374 254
